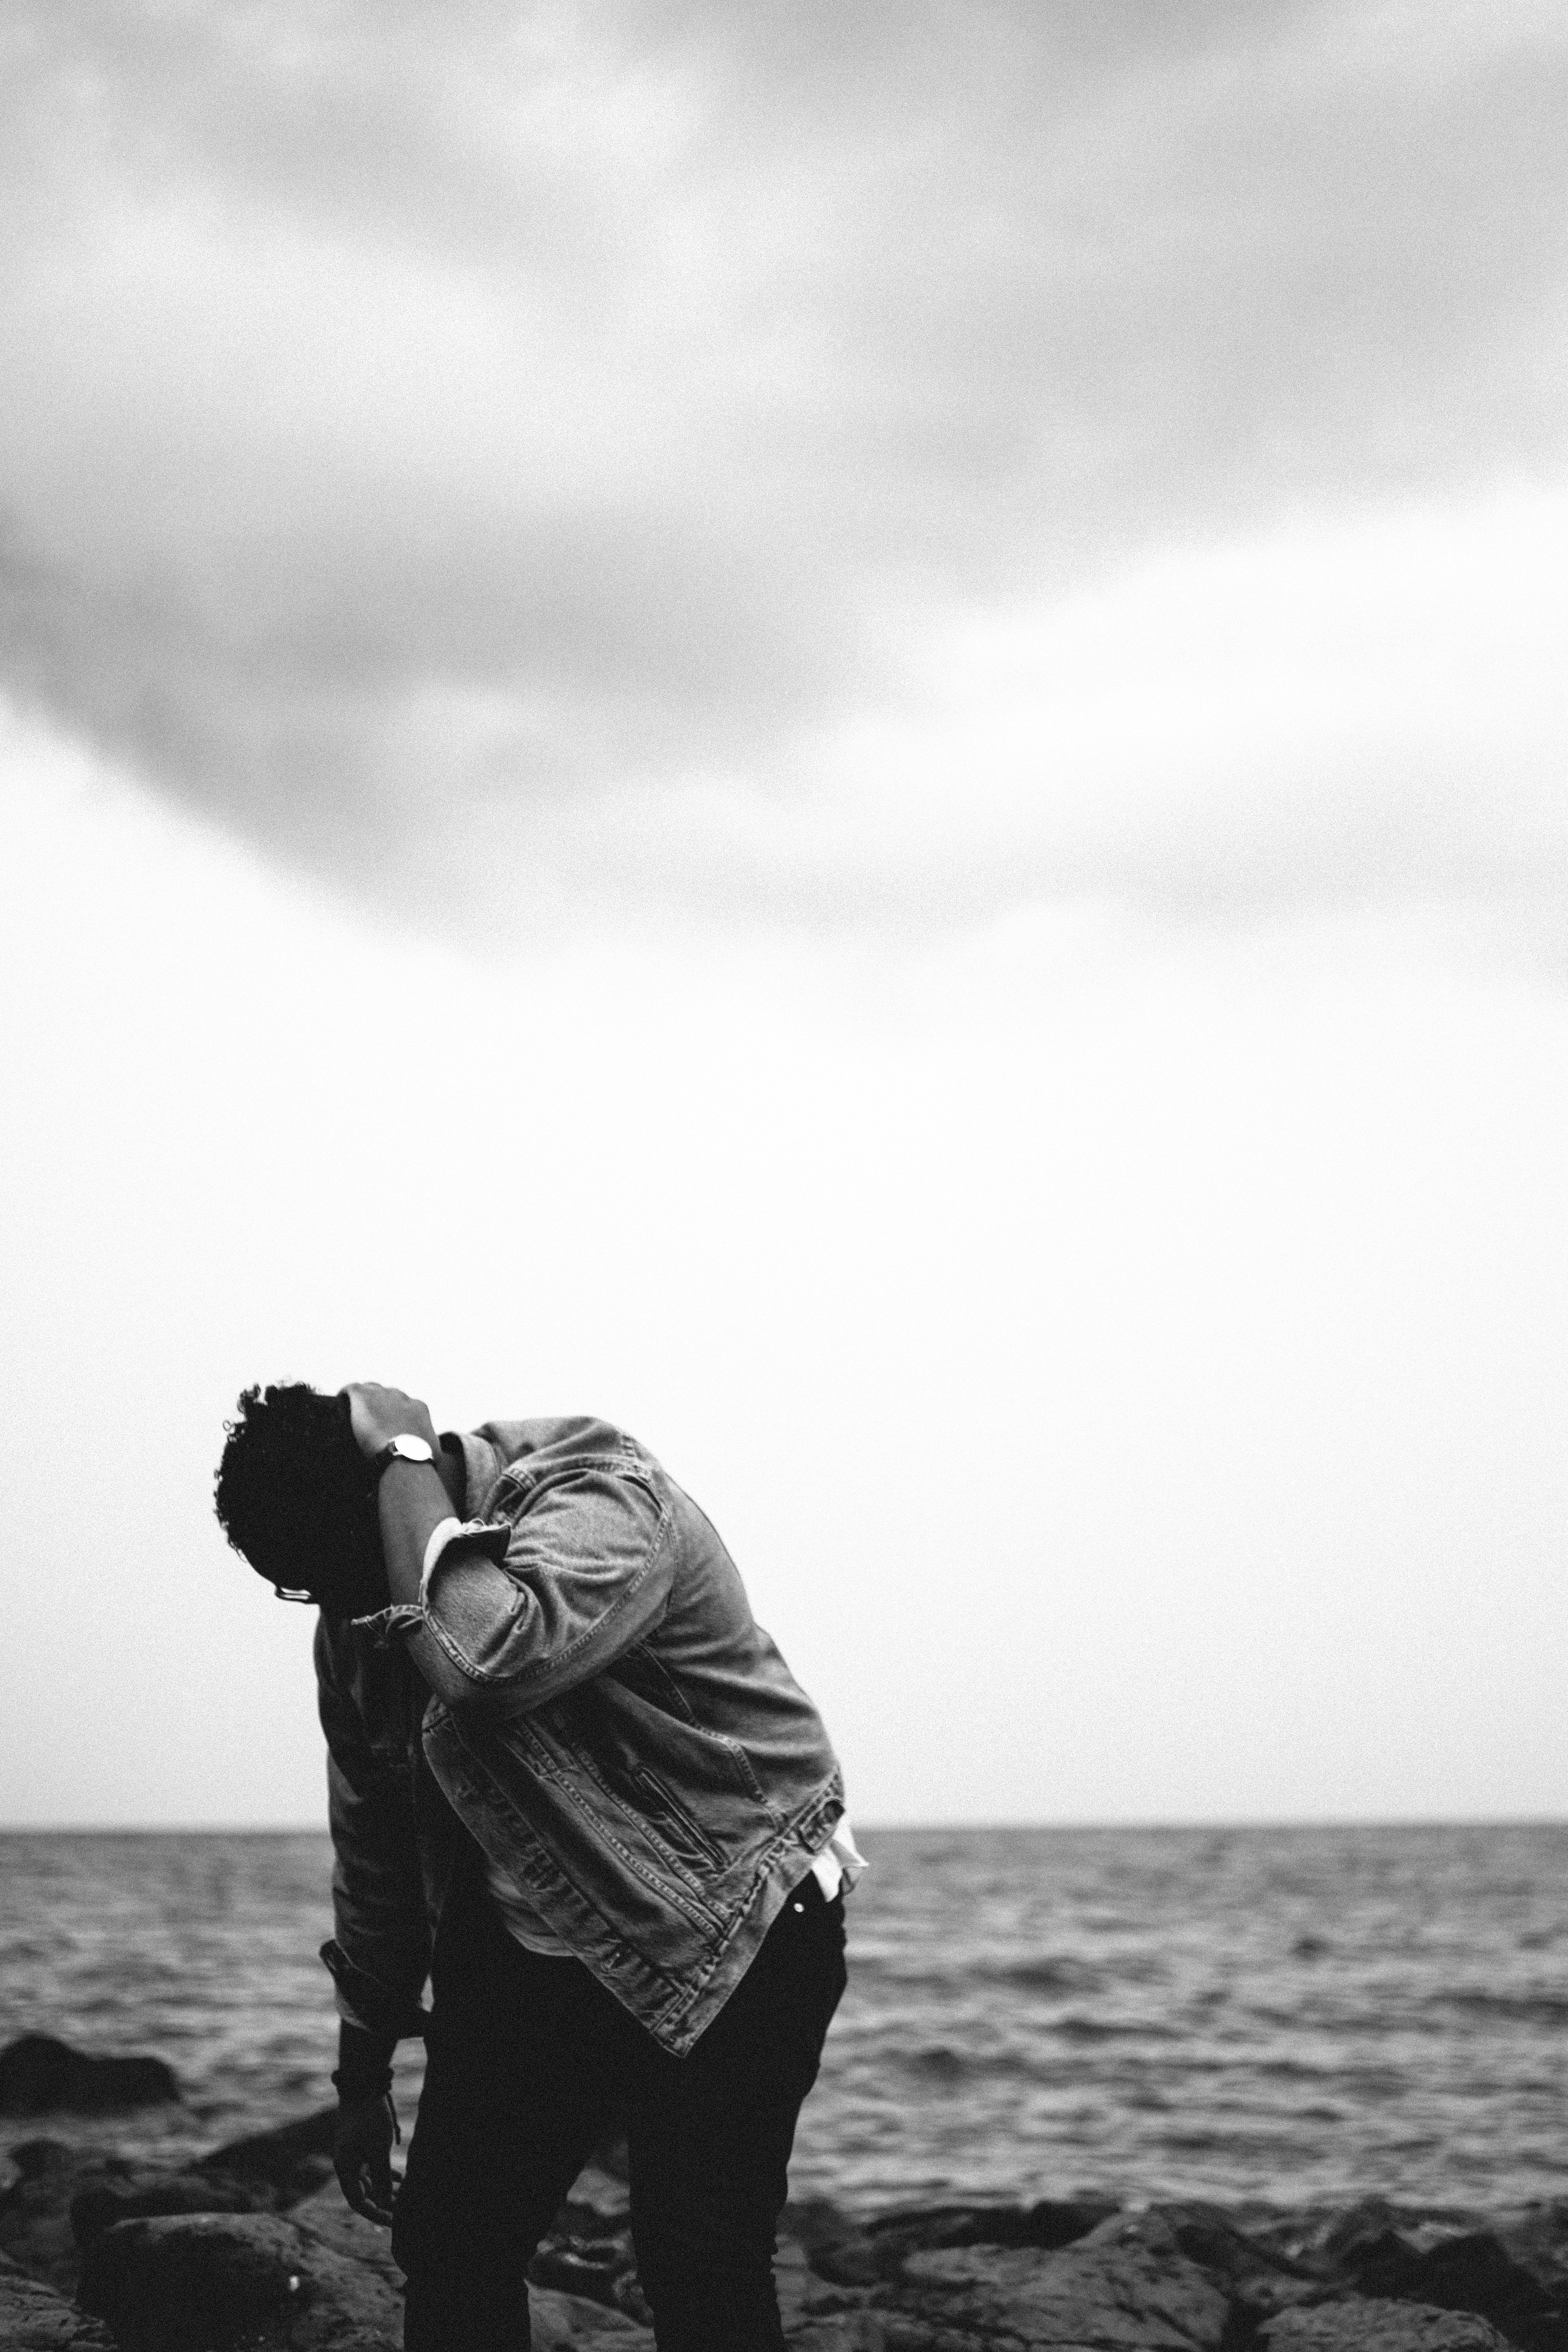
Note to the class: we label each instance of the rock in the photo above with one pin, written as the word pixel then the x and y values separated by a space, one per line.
pixel 1219 2244
pixel 591 2270
pixel 1147 2230
pixel 39 2077
pixel 162 2282
pixel 562 2321
pixel 1473 2271
pixel 856 2332
pixel 600 2203
pixel 587 2250
pixel 1537 2240
pixel 1514 2273
pixel 140 2191
pixel 254 2248
pixel 331 2221
pixel 804 2299
pixel 1366 2232
pixel 1062 2221
pixel 1536 2237
pixel 65 2198
pixel 859 2254
pixel 185 2283
pixel 1373 2234
pixel 840 2251
pixel 33 2318
pixel 559 2319
pixel 35 2212
pixel 1106 2296
pixel 575 2274
pixel 1049 2224
pixel 1257 2276
pixel 292 2160
pixel 1354 2326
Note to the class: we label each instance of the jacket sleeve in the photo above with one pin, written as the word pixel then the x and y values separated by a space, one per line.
pixel 380 1954
pixel 586 1573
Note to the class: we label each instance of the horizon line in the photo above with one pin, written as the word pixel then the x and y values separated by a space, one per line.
pixel 874 1827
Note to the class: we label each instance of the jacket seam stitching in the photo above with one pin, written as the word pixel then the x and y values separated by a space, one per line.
pixel 527 1677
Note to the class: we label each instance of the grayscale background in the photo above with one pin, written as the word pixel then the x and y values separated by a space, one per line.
pixel 838 730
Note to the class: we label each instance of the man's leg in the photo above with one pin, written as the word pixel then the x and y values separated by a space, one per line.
pixel 517 2091
pixel 710 2135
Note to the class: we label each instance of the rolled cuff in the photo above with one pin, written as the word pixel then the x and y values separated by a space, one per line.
pixel 462 1539
pixel 363 2001
pixel 451 1539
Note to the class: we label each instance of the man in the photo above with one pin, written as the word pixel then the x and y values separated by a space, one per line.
pixel 572 1781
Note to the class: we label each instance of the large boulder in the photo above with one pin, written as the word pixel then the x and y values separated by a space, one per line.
pixel 1096 2292
pixel 112 2193
pixel 328 2220
pixel 188 2283
pixel 1358 2326
pixel 33 2318
pixel 40 2076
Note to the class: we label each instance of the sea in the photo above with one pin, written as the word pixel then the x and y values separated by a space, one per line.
pixel 1298 2016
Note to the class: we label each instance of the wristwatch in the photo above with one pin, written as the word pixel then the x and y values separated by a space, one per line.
pixel 402 1449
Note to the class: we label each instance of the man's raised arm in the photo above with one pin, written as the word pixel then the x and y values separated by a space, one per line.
pixel 517 1612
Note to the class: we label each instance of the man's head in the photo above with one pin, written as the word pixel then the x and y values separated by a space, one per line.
pixel 297 1499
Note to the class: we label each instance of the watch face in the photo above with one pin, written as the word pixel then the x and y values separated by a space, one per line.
pixel 412 1449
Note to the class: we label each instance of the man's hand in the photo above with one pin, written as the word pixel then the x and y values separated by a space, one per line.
pixel 362 2154
pixel 379 1415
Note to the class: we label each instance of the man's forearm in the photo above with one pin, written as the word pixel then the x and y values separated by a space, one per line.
pixel 365 2062
pixel 412 1497
pixel 412 1502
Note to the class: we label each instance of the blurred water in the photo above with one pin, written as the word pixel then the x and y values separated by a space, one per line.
pixel 1301 2014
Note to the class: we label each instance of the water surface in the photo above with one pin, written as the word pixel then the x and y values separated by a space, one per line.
pixel 1293 2015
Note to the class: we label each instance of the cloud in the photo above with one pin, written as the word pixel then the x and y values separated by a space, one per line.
pixel 611 433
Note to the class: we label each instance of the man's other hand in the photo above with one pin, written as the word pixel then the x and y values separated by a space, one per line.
pixel 362 2156
pixel 378 1415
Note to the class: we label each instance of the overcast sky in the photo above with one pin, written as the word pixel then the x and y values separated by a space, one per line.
pixel 840 730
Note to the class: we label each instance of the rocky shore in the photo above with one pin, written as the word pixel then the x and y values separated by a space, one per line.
pixel 253 2247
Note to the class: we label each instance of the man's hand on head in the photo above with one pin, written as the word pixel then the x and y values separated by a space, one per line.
pixel 378 1415
pixel 412 1502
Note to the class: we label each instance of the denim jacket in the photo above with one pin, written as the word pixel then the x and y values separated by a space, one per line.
pixel 600 1711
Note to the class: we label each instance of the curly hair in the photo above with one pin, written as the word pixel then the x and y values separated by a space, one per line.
pixel 297 1499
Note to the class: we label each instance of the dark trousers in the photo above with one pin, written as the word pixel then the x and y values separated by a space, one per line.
pixel 530 2059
